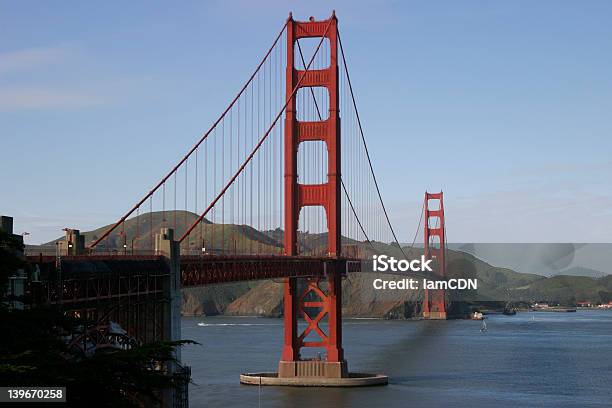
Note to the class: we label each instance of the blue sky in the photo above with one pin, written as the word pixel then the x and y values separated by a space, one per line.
pixel 506 106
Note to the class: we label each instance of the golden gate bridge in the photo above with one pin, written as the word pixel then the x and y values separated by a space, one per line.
pixel 280 186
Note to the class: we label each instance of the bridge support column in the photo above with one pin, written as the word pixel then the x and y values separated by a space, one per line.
pixel 434 301
pixel 166 245
pixel 290 315
pixel 315 300
pixel 74 242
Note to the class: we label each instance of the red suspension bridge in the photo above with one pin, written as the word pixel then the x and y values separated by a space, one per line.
pixel 280 186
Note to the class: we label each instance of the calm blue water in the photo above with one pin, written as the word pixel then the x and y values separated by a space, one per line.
pixel 559 360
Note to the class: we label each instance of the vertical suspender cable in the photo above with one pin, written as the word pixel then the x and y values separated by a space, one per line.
pixel 365 146
pixel 259 143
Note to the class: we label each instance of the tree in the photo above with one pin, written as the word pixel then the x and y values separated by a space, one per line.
pixel 10 262
pixel 33 353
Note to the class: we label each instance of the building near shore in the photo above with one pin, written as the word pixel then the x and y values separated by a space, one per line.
pixel 606 305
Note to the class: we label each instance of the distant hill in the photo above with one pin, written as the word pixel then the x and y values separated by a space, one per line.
pixel 546 259
pixel 496 284
pixel 139 233
pixel 567 290
pixel 572 285
pixel 361 300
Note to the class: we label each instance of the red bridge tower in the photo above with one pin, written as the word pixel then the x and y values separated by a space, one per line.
pixel 299 298
pixel 434 301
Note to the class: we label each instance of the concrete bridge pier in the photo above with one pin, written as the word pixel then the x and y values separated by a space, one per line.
pixel 167 246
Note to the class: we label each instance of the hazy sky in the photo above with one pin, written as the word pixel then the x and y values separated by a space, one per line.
pixel 505 105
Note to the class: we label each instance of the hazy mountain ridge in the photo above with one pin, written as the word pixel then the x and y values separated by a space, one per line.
pixel 546 259
pixel 582 271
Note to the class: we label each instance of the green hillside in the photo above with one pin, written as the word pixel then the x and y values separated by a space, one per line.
pixel 495 284
pixel 138 233
pixel 567 290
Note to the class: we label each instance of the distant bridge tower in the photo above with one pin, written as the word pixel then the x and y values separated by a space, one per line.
pixel 302 299
pixel 434 301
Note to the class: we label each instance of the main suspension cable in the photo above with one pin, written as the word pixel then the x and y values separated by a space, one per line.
pixel 184 159
pixel 418 226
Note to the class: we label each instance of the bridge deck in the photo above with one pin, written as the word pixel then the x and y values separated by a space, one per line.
pixel 202 270
pixel 85 278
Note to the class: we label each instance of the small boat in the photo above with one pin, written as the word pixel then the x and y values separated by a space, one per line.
pixel 509 310
pixel 201 324
pixel 477 316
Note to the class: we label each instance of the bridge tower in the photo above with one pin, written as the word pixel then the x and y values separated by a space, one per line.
pixel 298 299
pixel 434 301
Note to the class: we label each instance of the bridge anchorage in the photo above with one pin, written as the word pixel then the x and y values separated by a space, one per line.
pixel 315 299
pixel 434 301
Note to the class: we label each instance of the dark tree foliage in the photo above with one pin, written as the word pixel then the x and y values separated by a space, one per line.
pixel 10 245
pixel 33 353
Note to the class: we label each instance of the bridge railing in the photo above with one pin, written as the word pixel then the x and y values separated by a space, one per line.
pixel 54 251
